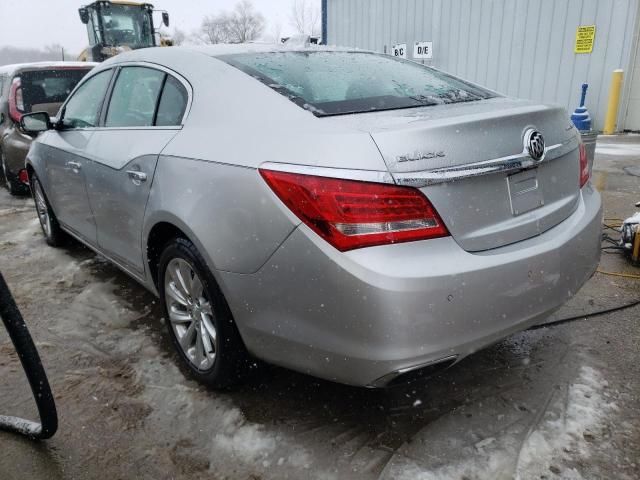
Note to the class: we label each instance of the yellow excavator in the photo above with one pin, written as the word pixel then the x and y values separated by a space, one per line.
pixel 115 26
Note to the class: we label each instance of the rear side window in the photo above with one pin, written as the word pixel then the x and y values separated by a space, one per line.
pixel 173 103
pixel 135 97
pixel 83 108
pixel 48 89
pixel 335 83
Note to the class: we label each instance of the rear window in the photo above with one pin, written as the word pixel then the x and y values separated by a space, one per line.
pixel 337 83
pixel 45 87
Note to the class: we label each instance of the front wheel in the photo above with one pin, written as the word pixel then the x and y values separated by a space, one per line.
pixel 53 234
pixel 198 318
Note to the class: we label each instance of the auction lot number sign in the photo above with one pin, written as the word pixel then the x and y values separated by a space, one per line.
pixel 423 50
pixel 399 50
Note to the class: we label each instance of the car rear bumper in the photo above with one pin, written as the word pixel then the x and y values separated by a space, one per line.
pixel 362 316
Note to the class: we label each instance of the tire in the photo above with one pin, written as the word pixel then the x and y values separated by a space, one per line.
pixel 12 183
pixel 53 234
pixel 198 317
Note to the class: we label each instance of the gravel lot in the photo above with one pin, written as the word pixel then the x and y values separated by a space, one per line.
pixel 561 401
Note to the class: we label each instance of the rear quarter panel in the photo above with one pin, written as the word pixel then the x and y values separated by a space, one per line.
pixel 228 211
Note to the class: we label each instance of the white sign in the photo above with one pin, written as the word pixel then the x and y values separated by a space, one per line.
pixel 399 50
pixel 423 50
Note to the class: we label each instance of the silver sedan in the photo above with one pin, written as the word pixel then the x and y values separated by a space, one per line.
pixel 350 215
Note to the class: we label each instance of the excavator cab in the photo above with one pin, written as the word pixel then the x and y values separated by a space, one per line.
pixel 115 26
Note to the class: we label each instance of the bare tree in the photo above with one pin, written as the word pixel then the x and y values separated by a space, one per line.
pixel 55 50
pixel 305 17
pixel 243 24
pixel 178 37
pixel 216 29
pixel 275 33
pixel 246 23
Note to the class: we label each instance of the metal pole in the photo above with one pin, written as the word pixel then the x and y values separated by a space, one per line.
pixel 325 25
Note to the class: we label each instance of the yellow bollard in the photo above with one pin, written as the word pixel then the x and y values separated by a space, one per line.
pixel 614 102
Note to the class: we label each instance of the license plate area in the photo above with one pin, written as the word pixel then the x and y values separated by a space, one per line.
pixel 524 192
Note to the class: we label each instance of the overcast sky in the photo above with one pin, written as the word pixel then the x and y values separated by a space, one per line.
pixel 37 23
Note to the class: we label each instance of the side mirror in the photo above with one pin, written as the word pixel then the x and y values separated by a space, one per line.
pixel 165 18
pixel 84 15
pixel 35 122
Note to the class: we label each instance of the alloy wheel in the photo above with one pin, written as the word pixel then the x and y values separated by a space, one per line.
pixel 190 314
pixel 42 208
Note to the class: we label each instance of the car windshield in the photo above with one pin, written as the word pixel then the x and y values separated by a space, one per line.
pixel 127 25
pixel 44 88
pixel 335 83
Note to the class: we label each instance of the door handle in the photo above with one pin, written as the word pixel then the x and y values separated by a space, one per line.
pixel 75 166
pixel 137 176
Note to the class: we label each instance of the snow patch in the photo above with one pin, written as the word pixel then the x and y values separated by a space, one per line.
pixel 494 466
pixel 564 429
pixel 530 445
pixel 618 149
pixel 245 441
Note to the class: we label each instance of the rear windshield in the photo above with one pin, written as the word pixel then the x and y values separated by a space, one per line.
pixel 45 87
pixel 337 83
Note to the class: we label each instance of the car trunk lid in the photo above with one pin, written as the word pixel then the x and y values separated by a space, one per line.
pixel 482 210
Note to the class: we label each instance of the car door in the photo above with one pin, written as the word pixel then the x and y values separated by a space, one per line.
pixel 144 113
pixel 67 156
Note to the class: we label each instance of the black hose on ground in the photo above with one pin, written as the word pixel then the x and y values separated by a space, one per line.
pixel 584 316
pixel 26 349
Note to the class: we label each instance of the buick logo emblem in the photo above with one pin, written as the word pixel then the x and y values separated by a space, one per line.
pixel 534 144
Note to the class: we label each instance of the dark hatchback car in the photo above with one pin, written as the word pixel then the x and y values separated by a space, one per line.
pixel 26 88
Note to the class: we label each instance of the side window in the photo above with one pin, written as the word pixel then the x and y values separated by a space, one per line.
pixel 172 103
pixel 83 108
pixel 134 98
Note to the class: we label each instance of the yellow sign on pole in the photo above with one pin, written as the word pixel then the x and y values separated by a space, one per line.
pixel 585 35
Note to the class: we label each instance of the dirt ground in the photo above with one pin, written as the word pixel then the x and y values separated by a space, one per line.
pixel 561 401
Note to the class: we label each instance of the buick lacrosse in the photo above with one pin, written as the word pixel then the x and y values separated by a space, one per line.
pixel 347 214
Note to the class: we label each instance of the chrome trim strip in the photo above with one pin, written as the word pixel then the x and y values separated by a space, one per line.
pixel 520 161
pixel 344 173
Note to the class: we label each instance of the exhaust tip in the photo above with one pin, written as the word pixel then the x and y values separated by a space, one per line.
pixel 412 374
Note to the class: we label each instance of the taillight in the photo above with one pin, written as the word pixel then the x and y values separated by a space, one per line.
pixel 16 102
pixel 352 214
pixel 584 166
pixel 23 176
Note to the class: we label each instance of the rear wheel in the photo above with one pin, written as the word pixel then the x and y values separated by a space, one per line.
pixel 13 184
pixel 53 234
pixel 198 318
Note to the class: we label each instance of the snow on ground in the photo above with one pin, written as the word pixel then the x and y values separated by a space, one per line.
pixel 547 446
pixel 618 149
pixel 245 441
pixel 567 426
